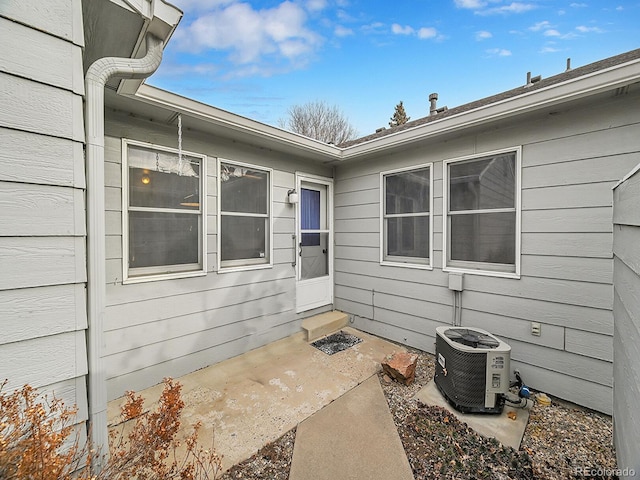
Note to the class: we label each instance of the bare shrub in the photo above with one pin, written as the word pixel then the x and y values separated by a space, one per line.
pixel 38 441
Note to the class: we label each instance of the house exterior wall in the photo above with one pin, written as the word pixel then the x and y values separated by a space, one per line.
pixel 570 161
pixel 626 313
pixel 173 327
pixel 42 212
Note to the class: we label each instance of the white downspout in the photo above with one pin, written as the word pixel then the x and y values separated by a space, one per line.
pixel 96 78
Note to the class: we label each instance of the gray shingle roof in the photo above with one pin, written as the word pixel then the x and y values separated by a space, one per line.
pixel 546 82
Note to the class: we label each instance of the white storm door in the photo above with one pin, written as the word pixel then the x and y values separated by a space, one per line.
pixel 314 234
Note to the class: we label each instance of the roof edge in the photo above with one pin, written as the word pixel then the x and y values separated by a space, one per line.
pixel 187 106
pixel 556 93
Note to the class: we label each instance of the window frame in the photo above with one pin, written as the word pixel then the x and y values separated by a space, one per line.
pixel 401 261
pixel 149 274
pixel 483 268
pixel 244 264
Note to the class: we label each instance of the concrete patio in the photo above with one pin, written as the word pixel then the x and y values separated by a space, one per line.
pixel 345 428
pixel 252 399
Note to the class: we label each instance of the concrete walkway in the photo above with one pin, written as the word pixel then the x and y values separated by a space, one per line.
pixel 353 438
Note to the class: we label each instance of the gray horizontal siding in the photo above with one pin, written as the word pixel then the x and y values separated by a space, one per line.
pixel 569 164
pixel 626 310
pixel 173 327
pixel 59 18
pixel 42 211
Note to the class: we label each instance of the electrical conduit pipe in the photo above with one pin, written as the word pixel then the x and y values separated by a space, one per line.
pixel 95 80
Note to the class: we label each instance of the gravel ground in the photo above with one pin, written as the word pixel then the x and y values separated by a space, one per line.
pixel 561 441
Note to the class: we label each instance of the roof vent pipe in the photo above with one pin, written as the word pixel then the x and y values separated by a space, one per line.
pixel 95 80
pixel 531 80
pixel 568 64
pixel 433 100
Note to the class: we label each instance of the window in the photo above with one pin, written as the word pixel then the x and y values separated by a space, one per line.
pixel 244 200
pixel 482 222
pixel 163 214
pixel 406 216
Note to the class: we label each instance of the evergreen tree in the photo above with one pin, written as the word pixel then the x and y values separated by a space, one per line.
pixel 399 116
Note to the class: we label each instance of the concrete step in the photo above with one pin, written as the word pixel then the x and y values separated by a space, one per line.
pixel 324 324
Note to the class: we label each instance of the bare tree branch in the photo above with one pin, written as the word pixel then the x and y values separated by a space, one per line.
pixel 320 121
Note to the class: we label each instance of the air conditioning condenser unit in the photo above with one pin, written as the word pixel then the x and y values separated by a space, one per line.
pixel 472 369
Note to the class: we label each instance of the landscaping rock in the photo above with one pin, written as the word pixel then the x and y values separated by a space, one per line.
pixel 401 366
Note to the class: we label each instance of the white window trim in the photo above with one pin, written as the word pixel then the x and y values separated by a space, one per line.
pixel 445 217
pixel 386 262
pixel 246 263
pixel 152 277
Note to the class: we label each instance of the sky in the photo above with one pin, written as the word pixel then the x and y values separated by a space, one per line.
pixel 258 58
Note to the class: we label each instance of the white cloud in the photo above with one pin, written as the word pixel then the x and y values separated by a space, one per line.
pixel 544 25
pixel 549 49
pixel 578 5
pixel 375 27
pixel 470 4
pixel 249 34
pixel 316 5
pixel 423 33
pixel 514 7
pixel 398 29
pixel 584 29
pixel 500 52
pixel 427 32
pixel 552 33
pixel 341 31
pixel 483 35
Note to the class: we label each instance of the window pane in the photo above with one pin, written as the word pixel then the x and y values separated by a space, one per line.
pixel 408 237
pixel 407 192
pixel 484 237
pixel 243 238
pixel 243 190
pixel 163 190
pixel 483 184
pixel 159 180
pixel 163 239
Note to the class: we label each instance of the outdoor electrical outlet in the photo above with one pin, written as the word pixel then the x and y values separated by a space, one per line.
pixel 536 329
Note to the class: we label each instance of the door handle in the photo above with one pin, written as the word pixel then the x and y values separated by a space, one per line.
pixel 295 257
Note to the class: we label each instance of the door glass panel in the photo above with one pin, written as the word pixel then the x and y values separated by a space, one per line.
pixel 314 261
pixel 310 209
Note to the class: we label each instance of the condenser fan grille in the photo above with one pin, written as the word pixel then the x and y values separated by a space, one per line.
pixel 471 338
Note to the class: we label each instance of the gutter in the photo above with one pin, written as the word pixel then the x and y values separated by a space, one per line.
pixel 95 80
